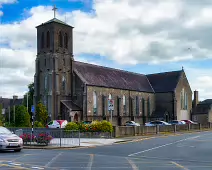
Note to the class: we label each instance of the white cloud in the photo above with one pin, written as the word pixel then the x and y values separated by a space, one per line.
pixel 126 31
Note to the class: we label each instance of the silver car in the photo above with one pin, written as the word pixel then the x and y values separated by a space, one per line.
pixel 10 141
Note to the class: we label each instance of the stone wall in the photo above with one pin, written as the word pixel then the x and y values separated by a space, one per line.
pixel 118 93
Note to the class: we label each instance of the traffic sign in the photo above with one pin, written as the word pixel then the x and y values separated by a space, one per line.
pixel 110 104
pixel 32 109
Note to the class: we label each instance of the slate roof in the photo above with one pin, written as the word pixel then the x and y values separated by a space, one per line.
pixel 164 82
pixel 112 78
pixel 207 101
pixel 69 104
pixel 6 102
pixel 55 20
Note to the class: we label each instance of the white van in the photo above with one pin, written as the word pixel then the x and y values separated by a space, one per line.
pixel 57 124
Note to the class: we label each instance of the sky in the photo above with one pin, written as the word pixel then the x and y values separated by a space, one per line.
pixel 134 35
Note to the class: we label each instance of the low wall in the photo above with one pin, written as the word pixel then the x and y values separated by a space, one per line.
pixel 123 131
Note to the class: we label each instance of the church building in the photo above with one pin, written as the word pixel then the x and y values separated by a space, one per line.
pixel 78 91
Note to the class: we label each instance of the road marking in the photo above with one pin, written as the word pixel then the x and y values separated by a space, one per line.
pixel 53 159
pixel 163 146
pixel 180 166
pixel 90 163
pixel 133 165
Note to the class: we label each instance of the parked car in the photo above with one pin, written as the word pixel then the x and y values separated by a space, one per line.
pixel 189 122
pixel 86 122
pixel 57 124
pixel 156 122
pixel 132 123
pixel 177 122
pixel 9 140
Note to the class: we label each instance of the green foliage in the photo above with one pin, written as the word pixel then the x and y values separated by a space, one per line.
pixel 41 113
pixel 30 97
pixel 22 117
pixel 95 126
pixel 38 124
pixel 72 126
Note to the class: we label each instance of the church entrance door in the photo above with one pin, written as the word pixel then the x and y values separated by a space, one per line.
pixel 75 118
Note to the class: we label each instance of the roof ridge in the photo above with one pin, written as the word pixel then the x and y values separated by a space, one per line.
pixel 164 72
pixel 115 69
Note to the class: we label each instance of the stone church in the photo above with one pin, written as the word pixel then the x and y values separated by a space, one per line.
pixel 78 91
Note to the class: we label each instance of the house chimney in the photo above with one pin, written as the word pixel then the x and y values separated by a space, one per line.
pixel 196 98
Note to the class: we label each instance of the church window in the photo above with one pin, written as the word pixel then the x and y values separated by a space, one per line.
pixel 94 102
pixel 63 83
pixel 124 103
pixel 148 107
pixel 45 62
pixel 143 106
pixel 182 99
pixel 45 82
pixel 66 40
pixel 186 101
pixel 109 96
pixel 118 105
pixel 48 40
pixel 137 105
pixel 60 39
pixel 64 62
pixel 42 40
pixel 103 105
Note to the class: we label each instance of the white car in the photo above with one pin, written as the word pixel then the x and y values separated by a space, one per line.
pixel 157 122
pixel 57 124
pixel 132 123
pixel 10 141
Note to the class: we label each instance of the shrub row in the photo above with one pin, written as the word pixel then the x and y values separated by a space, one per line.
pixel 95 126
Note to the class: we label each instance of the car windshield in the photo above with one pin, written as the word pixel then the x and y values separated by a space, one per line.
pixel 4 131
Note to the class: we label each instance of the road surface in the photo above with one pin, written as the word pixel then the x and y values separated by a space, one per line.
pixel 185 152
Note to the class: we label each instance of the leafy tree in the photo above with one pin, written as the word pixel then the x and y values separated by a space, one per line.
pixel 1 116
pixel 41 113
pixel 30 93
pixel 22 117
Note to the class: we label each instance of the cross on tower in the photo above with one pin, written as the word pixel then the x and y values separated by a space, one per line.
pixel 54 9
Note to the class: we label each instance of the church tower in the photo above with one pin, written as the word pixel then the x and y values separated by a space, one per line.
pixel 53 70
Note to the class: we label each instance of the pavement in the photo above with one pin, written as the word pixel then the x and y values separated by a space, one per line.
pixel 181 152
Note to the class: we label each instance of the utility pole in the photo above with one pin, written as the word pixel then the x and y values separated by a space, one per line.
pixel 14 114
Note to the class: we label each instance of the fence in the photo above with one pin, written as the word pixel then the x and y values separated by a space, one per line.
pixel 123 131
pixel 56 137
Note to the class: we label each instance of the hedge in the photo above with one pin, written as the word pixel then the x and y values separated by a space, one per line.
pixel 95 126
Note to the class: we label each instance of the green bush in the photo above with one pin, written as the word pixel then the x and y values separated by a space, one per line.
pixel 38 124
pixel 95 126
pixel 72 126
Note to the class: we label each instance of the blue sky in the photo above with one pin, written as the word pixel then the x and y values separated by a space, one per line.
pixel 138 37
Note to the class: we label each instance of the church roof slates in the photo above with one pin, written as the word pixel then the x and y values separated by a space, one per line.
pixel 112 78
pixel 164 82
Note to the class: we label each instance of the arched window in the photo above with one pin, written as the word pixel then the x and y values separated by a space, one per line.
pixel 48 39
pixel 124 103
pixel 109 96
pixel 60 39
pixel 149 106
pixel 94 102
pixel 182 99
pixel 64 83
pixel 42 40
pixel 66 40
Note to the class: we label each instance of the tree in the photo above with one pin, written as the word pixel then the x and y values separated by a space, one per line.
pixel 1 116
pixel 30 93
pixel 41 113
pixel 22 117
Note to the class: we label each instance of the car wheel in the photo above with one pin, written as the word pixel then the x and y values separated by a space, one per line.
pixel 17 150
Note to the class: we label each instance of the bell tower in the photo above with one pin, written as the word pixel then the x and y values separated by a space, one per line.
pixel 53 70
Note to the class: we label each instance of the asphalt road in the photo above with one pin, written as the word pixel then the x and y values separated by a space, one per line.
pixel 188 152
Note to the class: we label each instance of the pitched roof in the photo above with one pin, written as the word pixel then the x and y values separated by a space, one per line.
pixel 207 101
pixel 71 105
pixel 56 21
pixel 164 82
pixel 112 78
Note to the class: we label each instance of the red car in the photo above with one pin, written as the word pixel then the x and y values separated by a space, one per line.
pixel 189 122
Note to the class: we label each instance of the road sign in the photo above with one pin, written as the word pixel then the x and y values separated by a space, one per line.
pixel 110 104
pixel 32 109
